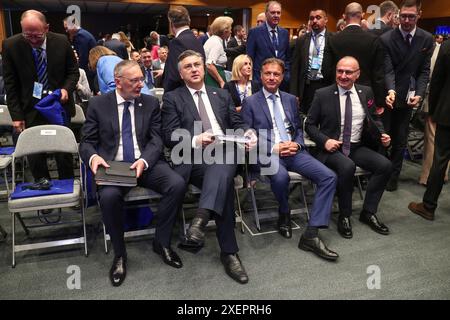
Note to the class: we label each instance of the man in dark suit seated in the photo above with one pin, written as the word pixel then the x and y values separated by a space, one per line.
pixel 124 125
pixel 274 114
pixel 343 122
pixel 197 114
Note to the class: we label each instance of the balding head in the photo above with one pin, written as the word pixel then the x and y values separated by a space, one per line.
pixel 353 13
pixel 347 72
pixel 34 27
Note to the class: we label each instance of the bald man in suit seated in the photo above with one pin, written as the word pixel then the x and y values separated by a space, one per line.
pixel 343 121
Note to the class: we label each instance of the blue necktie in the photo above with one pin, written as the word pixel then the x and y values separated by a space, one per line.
pixel 41 67
pixel 347 134
pixel 149 79
pixel 279 119
pixel 127 134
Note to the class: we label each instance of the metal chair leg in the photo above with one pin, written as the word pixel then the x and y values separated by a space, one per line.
pixel 13 226
pixel 239 210
pixel 304 201
pixel 255 208
pixel 104 237
pixel 360 187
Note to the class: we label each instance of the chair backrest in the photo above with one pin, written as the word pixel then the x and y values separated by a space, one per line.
pixel 46 138
pixel 79 117
pixel 158 93
pixel 5 117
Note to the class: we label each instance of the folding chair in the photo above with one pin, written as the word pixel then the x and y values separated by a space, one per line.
pixel 238 184
pixel 136 194
pixel 158 93
pixel 5 159
pixel 259 216
pixel 47 139
pixel 79 117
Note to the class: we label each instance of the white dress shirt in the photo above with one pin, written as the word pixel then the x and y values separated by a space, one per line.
pixel 276 130
pixel 358 114
pixel 216 130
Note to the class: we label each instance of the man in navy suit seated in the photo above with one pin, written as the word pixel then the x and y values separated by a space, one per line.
pixel 124 125
pixel 275 112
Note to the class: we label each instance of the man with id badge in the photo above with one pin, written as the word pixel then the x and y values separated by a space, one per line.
pixel 37 62
pixel 311 63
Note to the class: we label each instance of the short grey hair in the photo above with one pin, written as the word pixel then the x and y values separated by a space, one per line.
pixel 188 53
pixel 124 64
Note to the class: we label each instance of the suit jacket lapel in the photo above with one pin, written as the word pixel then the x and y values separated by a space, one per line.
pixel 337 106
pixel 115 118
pixel 266 36
pixel 216 103
pixel 263 102
pixel 50 52
pixel 186 96
pixel 138 120
pixel 287 110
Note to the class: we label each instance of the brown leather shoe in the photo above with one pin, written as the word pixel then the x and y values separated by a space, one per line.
pixel 419 209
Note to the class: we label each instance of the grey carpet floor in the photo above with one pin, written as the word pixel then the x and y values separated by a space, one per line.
pixel 413 262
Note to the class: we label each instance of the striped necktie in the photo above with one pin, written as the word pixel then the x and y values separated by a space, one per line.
pixel 41 67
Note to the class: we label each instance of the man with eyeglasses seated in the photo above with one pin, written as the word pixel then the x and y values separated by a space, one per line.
pixel 125 125
pixel 35 62
pixel 343 122
pixel 407 67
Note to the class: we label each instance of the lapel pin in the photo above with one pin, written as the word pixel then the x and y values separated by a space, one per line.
pixel 335 92
pixel 140 104
pixel 214 92
pixel 359 91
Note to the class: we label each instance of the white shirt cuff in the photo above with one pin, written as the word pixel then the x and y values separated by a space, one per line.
pixel 194 143
pixel 90 160
pixel 145 162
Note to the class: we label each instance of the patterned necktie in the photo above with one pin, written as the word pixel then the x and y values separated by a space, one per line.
pixel 149 79
pixel 315 55
pixel 274 41
pixel 127 134
pixel 408 39
pixel 279 119
pixel 203 114
pixel 347 134
pixel 41 67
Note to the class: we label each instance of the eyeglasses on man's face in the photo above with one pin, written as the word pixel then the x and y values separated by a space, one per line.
pixel 134 81
pixel 347 72
pixel 411 17
pixel 28 35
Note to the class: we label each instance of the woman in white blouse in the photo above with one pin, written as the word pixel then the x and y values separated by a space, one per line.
pixel 216 58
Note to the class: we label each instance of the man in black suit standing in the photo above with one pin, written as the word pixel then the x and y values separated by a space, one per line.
pixel 365 47
pixel 311 65
pixel 407 67
pixel 124 125
pixel 179 22
pixel 35 62
pixel 388 10
pixel 198 113
pixel 343 122
pixel 439 111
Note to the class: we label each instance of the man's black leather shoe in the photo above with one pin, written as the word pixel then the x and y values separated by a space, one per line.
pixel 373 222
pixel 196 232
pixel 169 256
pixel 234 268
pixel 284 226
pixel 317 246
pixel 118 271
pixel 392 184
pixel 344 227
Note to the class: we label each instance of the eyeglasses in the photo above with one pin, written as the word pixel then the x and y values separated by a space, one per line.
pixel 33 35
pixel 347 72
pixel 411 17
pixel 134 81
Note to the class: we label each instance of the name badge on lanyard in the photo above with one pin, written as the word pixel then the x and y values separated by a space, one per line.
pixel 37 90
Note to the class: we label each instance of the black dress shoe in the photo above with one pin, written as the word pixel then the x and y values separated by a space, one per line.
pixel 196 232
pixel 317 246
pixel 169 256
pixel 284 226
pixel 392 184
pixel 373 222
pixel 234 268
pixel 344 227
pixel 118 271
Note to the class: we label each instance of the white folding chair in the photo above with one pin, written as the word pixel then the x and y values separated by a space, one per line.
pixel 47 139
pixel 79 117
pixel 5 160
